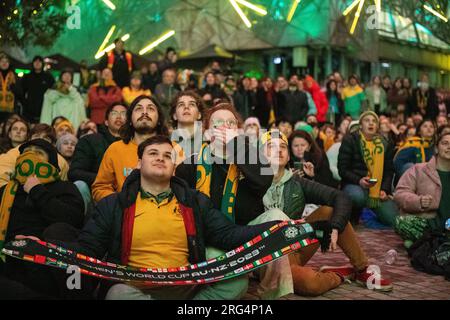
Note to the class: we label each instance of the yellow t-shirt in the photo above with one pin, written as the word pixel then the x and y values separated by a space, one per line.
pixel 159 235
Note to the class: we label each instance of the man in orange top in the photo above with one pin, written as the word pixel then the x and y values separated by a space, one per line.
pixel 145 120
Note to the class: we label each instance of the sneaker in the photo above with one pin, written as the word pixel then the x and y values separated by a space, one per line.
pixel 363 276
pixel 345 273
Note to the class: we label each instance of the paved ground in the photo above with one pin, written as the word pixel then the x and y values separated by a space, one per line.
pixel 408 283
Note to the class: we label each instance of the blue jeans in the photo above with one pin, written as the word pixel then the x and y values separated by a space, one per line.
pixel 386 212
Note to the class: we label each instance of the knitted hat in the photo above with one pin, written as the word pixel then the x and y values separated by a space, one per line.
pixel 63 139
pixel 252 120
pixel 369 113
pixel 45 145
pixel 307 128
pixel 65 123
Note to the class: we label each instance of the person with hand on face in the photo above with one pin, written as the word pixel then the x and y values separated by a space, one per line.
pixel 366 168
pixel 33 199
pixel 290 193
pixel 423 190
pixel 186 114
pixel 64 100
pixel 144 120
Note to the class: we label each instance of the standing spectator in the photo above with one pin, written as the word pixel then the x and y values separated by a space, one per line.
pixel 376 96
pixel 398 99
pixel 65 101
pixel 292 103
pixel 353 96
pixel 121 63
pixel 86 127
pixel 336 104
pixel 18 133
pixel 90 149
pixel 387 84
pixel 34 86
pixel 8 89
pixel 285 127
pixel 145 120
pixel 169 60
pixel 265 101
pixel 365 166
pixel 319 98
pixel 211 91
pixel 87 77
pixel 151 77
pixel 424 99
pixel 102 94
pixel 66 146
pixel 135 89
pixel 166 91
pixel 244 99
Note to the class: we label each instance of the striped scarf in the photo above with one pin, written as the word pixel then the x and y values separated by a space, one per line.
pixel 27 164
pixel 420 144
pixel 203 183
pixel 373 154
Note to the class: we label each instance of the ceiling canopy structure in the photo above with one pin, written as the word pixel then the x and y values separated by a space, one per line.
pixel 193 26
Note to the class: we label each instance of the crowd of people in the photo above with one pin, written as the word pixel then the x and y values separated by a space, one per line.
pixel 88 166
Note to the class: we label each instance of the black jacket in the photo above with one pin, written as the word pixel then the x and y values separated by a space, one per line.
pixel 432 108
pixel 351 165
pixel 319 194
pixel 263 107
pixel 291 105
pixel 322 171
pixel 215 91
pixel 120 69
pixel 251 188
pixel 34 85
pixel 103 233
pixel 32 213
pixel 245 102
pixel 88 155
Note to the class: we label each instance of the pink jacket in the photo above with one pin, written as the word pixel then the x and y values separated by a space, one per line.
pixel 420 180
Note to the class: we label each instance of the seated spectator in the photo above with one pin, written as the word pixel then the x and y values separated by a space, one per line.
pixel 102 94
pixel 186 114
pixel 166 91
pixel 252 129
pixel 63 100
pixel 441 121
pixel 308 160
pixel 285 127
pixel 32 200
pixel 159 240
pixel 424 189
pixel 289 193
pixel 8 160
pixel 365 166
pixel 87 127
pixel 66 146
pixel 145 120
pixel 327 134
pixel 418 149
pixel 63 127
pixel 18 133
pixel 135 89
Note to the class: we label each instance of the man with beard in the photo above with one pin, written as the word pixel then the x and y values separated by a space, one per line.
pixel 144 120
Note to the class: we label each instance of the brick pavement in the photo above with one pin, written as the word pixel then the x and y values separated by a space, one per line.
pixel 408 283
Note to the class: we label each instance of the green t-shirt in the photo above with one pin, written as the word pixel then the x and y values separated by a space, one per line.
pixel 444 204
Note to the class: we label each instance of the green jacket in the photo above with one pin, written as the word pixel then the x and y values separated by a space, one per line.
pixel 371 99
pixel 292 193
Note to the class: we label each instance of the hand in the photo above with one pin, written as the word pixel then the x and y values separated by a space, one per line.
pixel 334 239
pixel 383 196
pixel 31 182
pixel 22 237
pixel 425 201
pixel 365 183
pixel 207 97
pixel 308 167
pixel 299 172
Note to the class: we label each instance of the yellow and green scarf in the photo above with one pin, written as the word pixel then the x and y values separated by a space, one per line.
pixel 373 154
pixel 27 164
pixel 420 144
pixel 203 183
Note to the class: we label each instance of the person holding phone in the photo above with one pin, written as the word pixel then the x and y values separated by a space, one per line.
pixel 365 164
pixel 308 160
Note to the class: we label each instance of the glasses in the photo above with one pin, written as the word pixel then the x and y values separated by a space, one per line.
pixel 118 113
pixel 230 123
